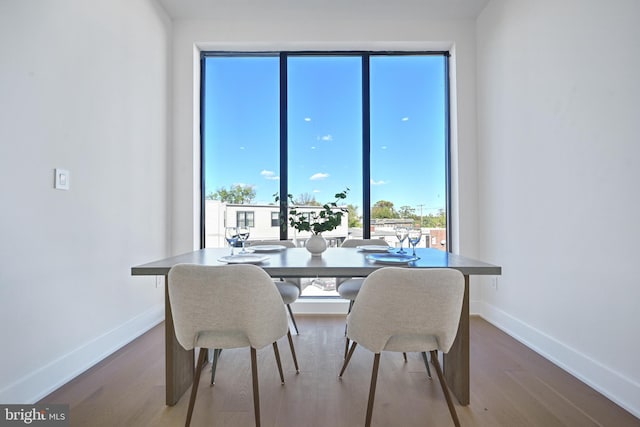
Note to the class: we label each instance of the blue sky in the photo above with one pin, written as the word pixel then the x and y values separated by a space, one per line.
pixel 325 127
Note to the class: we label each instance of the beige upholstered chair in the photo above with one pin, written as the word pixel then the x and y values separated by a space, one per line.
pixel 224 307
pixel 348 287
pixel 290 288
pixel 289 291
pixel 406 310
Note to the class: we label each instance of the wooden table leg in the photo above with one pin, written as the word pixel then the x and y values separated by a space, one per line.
pixel 456 362
pixel 179 363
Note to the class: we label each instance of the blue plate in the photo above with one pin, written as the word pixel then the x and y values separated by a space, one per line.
pixel 392 258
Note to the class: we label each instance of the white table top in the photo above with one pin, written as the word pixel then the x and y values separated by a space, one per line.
pixel 334 262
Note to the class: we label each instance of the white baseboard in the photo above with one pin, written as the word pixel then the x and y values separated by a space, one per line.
pixel 320 306
pixel 475 308
pixel 615 386
pixel 50 377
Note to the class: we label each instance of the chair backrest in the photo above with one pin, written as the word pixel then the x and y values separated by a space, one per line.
pixel 352 243
pixel 225 306
pixel 410 305
pixel 289 244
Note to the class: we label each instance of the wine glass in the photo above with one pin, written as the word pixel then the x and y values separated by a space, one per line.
pixel 401 234
pixel 243 235
pixel 414 235
pixel 231 235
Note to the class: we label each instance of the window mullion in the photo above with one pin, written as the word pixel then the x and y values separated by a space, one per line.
pixel 447 151
pixel 366 150
pixel 284 157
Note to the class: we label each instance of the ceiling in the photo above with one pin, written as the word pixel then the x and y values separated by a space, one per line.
pixel 431 9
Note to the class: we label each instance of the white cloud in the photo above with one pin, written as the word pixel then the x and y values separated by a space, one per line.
pixel 242 184
pixel 405 119
pixel 316 191
pixel 307 119
pixel 327 138
pixel 271 175
pixel 319 175
pixel 384 147
pixel 381 182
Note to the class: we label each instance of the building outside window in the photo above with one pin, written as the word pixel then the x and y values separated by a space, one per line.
pixel 245 219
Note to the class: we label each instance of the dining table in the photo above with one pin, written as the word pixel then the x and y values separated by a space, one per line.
pixel 334 262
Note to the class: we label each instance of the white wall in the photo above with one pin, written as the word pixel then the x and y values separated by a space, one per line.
pixel 308 28
pixel 558 128
pixel 83 86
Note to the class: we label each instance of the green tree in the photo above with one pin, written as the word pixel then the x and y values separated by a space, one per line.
pixel 354 218
pixel 406 212
pixel 306 199
pixel 237 194
pixel 383 209
pixel 438 220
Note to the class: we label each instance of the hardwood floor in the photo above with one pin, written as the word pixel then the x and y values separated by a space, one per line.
pixel 510 386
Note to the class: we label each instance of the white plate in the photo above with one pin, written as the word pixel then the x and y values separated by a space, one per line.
pixel 392 258
pixel 268 248
pixel 243 259
pixel 373 248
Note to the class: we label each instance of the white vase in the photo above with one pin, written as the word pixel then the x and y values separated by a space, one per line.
pixel 316 244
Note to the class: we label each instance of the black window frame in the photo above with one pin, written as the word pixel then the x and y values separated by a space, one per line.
pixel 366 135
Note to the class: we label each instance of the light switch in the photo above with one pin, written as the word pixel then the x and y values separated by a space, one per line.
pixel 61 179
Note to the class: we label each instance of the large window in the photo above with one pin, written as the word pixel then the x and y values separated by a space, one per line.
pixel 313 124
pixel 408 150
pixel 240 143
pixel 324 131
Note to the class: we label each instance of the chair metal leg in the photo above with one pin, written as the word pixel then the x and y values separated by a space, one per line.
pixel 404 355
pixel 346 344
pixel 345 325
pixel 346 347
pixel 445 389
pixel 347 359
pixel 202 359
pixel 256 394
pixel 214 364
pixel 372 389
pixel 426 364
pixel 293 319
pixel 293 352
pixel 277 353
